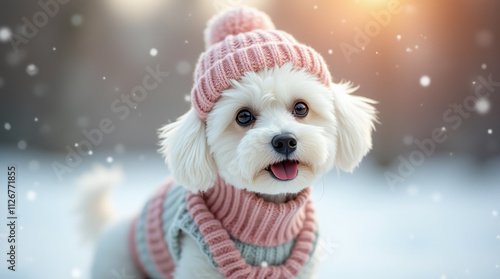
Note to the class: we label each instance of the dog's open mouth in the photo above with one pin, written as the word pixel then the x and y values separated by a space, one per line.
pixel 284 170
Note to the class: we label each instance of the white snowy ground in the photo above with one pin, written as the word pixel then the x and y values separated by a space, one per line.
pixel 442 223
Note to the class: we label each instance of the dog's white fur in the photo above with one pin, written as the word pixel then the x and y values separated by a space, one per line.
pixel 335 133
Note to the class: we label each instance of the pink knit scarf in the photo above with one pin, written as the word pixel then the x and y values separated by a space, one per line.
pixel 224 212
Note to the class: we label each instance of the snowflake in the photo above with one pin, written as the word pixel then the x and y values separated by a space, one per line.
pixel 153 52
pixel 5 34
pixel 76 20
pixel 76 273
pixel 31 195
pixel 22 144
pixel 32 69
pixel 482 105
pixel 425 81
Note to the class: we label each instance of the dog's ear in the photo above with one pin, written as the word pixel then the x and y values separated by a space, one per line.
pixel 355 117
pixel 184 146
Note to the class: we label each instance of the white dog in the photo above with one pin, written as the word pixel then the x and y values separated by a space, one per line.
pixel 242 165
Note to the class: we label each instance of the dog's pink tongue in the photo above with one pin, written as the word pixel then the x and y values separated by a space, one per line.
pixel 285 170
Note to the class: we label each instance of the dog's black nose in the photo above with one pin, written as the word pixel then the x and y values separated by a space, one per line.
pixel 284 143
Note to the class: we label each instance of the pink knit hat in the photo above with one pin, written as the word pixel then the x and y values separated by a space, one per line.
pixel 241 40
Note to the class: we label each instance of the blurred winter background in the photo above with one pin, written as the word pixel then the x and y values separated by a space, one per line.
pixel 423 204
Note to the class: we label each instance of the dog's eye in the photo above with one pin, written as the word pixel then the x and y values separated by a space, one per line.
pixel 244 117
pixel 300 109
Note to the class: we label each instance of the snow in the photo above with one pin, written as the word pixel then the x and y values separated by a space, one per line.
pixel 490 131
pixel 183 67
pixel 76 20
pixel 398 37
pixel 119 148
pixel 7 126
pixel 32 70
pixel 153 52
pixel 425 81
pixel 5 34
pixel 408 140
pixel 482 105
pixel 31 196
pixel 109 159
pixel 76 273
pixel 484 66
pixel 22 144
pixel 369 229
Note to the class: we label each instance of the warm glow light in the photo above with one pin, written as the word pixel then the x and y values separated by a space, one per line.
pixel 134 9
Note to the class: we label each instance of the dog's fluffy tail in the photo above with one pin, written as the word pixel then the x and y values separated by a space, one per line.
pixel 93 204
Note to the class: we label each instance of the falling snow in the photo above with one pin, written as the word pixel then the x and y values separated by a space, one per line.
pixel 6 126
pixel 484 66
pixel 153 52
pixel 119 148
pixel 484 38
pixel 33 165
pixel 187 98
pixel 398 37
pixel 494 213
pixel 183 67
pixel 490 131
pixel 436 197
pixel 76 273
pixel 109 159
pixel 412 190
pixel 22 145
pixel 32 69
pixel 408 140
pixel 31 195
pixel 76 20
pixel 482 105
pixel 425 81
pixel 330 51
pixel 5 34
pixel 103 78
pixel 91 152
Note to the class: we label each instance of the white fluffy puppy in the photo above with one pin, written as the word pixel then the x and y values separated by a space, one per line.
pixel 331 128
pixel 266 138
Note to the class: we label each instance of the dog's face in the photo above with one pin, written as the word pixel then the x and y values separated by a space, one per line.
pixel 272 132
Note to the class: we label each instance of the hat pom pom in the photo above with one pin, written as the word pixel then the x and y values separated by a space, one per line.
pixel 235 21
